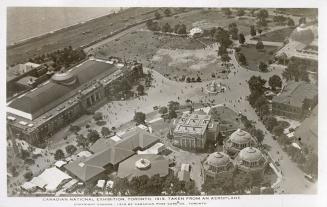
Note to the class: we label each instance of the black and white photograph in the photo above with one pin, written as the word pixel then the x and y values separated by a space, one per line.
pixel 161 102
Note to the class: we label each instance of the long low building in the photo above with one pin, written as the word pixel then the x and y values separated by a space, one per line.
pixel 41 112
pixel 290 102
pixel 110 155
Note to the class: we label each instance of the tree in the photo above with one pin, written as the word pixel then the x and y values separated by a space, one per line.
pixel 259 45
pixel 263 67
pixel 233 30
pixel 222 50
pixel 59 155
pixel 97 116
pixel 296 70
pixel 181 29
pixel 227 11
pixel 93 136
pixel 163 110
pixel 256 83
pixel 225 58
pixel 157 15
pixel 241 58
pixel 82 141
pixel 259 135
pixel 240 12
pixel 222 37
pixel 120 187
pixel 105 131
pixel 166 28
pixel 278 130
pixel 241 38
pixel 167 12
pixel 270 122
pixel 290 22
pixel 139 118
pixel 274 82
pixel 140 89
pixel 253 32
pixel 172 114
pixel 70 149
pixel 261 16
pixel 261 101
pixel 28 175
pixel 173 105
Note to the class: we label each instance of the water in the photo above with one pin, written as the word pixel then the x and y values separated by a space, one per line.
pixel 27 22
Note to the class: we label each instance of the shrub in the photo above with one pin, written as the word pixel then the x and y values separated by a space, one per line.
pixel 70 149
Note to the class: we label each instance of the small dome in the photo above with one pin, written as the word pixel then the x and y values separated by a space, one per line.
pixel 64 78
pixel 196 30
pixel 218 159
pixel 250 154
pixel 241 137
pixel 302 34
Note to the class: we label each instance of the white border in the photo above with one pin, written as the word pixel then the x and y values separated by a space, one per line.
pixel 267 201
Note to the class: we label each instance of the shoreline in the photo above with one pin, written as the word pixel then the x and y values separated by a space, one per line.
pixel 25 40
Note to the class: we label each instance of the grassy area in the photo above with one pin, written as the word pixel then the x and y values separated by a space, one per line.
pixel 277 35
pixel 172 56
pixel 227 118
pixel 254 56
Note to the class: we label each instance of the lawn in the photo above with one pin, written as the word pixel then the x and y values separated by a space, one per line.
pixel 227 118
pixel 171 56
pixel 254 56
pixel 277 35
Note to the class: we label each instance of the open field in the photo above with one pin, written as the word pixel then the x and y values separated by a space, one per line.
pixel 277 35
pixel 78 35
pixel 170 55
pixel 254 56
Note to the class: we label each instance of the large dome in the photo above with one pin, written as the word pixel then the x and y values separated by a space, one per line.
pixel 218 159
pixel 302 34
pixel 64 78
pixel 241 137
pixel 250 154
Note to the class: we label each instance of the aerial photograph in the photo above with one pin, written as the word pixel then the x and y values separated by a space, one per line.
pixel 161 101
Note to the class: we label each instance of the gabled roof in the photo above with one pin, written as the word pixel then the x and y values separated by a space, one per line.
pixel 137 138
pixel 107 152
pixel 294 93
pixel 112 155
pixel 159 166
pixel 82 170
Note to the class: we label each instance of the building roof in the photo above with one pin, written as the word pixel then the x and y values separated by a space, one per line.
pixel 83 171
pixel 308 130
pixel 50 179
pixel 294 93
pixel 101 144
pixel 241 137
pixel 218 159
pixel 158 165
pixel 110 153
pixel 52 93
pixel 192 124
pixel 250 154
pixel 137 138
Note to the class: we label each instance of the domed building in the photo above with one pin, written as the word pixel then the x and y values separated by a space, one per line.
pixel 218 164
pixel 237 141
pixel 251 160
pixel 64 78
pixel 302 34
